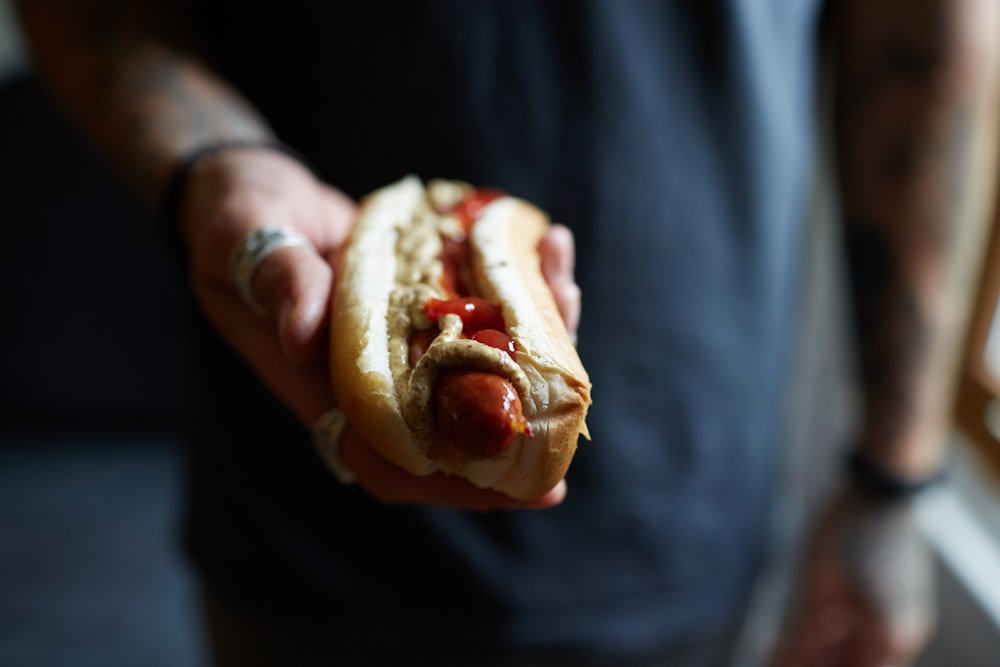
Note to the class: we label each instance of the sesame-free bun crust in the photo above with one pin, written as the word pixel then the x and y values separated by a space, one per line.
pixel 505 254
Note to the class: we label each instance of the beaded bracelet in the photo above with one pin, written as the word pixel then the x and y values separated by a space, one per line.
pixel 169 208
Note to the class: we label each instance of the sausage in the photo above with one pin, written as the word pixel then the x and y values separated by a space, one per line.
pixel 477 413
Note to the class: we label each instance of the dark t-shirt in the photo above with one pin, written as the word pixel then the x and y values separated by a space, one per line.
pixel 674 139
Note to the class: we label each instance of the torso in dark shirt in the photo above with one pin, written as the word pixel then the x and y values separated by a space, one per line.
pixel 673 138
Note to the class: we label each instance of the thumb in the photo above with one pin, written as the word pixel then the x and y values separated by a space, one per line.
pixel 292 286
pixel 558 254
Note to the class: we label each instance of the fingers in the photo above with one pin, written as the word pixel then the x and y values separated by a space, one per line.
pixel 837 627
pixel 390 484
pixel 867 594
pixel 284 340
pixel 292 286
pixel 235 192
pixel 558 255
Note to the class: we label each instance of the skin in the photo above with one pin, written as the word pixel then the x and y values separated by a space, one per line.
pixel 915 88
pixel 118 70
pixel 911 81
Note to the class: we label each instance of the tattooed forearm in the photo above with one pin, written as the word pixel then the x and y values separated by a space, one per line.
pixel 911 78
pixel 893 332
pixel 119 70
pixel 164 106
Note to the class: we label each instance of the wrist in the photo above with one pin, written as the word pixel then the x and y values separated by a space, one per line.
pixel 878 480
pixel 219 160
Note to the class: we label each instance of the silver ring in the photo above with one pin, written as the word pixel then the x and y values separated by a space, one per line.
pixel 252 249
pixel 327 432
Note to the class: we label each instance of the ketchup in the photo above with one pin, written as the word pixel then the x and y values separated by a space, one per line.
pixel 476 412
pixel 476 313
pixel 482 321
pixel 459 278
pixel 497 339
pixel 467 211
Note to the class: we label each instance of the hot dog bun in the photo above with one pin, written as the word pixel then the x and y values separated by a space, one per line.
pixel 386 270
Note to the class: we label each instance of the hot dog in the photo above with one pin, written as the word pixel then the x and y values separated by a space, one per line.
pixel 447 349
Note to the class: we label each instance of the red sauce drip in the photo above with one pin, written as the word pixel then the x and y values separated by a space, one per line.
pixel 458 278
pixel 497 339
pixel 468 210
pixel 476 314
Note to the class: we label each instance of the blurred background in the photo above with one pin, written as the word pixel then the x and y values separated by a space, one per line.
pixel 92 367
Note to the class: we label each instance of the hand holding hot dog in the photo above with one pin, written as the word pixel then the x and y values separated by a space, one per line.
pixel 239 190
pixel 285 343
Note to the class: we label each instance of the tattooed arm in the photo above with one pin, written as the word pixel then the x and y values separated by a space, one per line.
pixel 916 94
pixel 117 67
pixel 119 70
pixel 916 108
